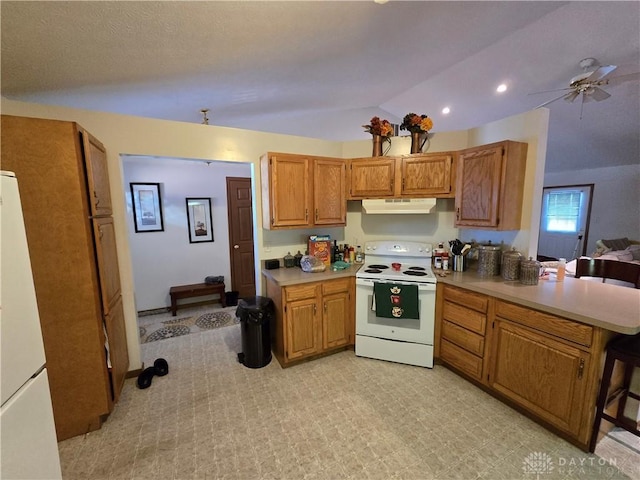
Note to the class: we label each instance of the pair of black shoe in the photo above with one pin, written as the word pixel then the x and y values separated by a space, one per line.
pixel 160 368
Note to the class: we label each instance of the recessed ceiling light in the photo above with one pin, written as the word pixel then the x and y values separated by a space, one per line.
pixel 446 110
pixel 380 2
pixel 501 88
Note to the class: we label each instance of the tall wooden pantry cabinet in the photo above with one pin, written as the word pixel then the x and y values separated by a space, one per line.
pixel 64 186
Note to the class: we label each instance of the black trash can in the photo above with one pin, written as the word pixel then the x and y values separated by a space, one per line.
pixel 256 314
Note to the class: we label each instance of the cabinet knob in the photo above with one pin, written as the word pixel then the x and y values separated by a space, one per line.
pixel 236 246
pixel 96 200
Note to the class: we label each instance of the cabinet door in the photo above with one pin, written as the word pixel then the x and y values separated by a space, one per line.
pixel 478 187
pixel 335 320
pixel 329 194
pixel 426 175
pixel 95 159
pixel 303 336
pixel 290 191
pixel 372 178
pixel 543 375
pixel 118 355
pixel 107 256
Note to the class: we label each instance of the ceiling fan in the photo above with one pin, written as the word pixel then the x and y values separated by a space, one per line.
pixel 586 85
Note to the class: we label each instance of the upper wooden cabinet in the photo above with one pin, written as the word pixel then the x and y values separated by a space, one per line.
pixel 427 175
pixel 371 177
pixel 95 158
pixel 410 176
pixel 490 184
pixel 300 191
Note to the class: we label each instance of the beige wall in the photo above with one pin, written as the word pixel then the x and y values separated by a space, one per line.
pixel 150 137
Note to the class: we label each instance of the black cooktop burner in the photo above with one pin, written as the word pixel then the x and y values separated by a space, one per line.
pixel 373 270
pixel 417 268
pixel 415 273
pixel 378 267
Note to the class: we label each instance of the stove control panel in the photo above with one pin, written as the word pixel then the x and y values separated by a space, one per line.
pixel 401 249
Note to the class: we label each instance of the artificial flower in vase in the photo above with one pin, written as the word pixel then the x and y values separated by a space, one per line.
pixel 381 131
pixel 418 126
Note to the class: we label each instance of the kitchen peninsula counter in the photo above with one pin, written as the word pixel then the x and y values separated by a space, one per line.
pixel 293 276
pixel 611 307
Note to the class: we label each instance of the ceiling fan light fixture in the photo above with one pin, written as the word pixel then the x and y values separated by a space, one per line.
pixel 571 96
pixel 501 88
pixel 446 111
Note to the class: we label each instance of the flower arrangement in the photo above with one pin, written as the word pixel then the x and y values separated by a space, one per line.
pixel 379 127
pixel 416 123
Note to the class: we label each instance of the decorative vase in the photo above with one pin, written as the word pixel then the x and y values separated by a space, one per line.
pixel 416 144
pixel 377 146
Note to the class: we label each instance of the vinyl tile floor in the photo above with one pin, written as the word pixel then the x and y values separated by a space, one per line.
pixel 338 417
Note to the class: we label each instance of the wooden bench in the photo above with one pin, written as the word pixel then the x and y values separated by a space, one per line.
pixel 180 292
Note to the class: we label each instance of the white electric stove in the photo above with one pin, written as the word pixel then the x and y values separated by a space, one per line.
pixel 402 340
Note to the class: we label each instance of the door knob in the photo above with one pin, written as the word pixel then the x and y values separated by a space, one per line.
pixel 236 246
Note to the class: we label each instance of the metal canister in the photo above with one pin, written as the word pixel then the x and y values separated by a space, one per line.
pixel 529 271
pixel 511 264
pixel 489 260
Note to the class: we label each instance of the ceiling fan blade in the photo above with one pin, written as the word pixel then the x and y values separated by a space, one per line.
pixel 551 101
pixel 623 78
pixel 570 97
pixel 549 91
pixel 600 73
pixel 598 94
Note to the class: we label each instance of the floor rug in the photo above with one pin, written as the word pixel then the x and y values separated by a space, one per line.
pixel 163 326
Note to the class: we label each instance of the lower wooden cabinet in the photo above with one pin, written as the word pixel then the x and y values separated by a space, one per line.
pixel 544 375
pixel 312 318
pixel 545 365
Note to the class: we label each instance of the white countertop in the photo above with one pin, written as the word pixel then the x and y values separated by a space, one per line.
pixel 611 307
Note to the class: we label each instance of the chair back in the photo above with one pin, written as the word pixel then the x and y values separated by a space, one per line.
pixel 612 269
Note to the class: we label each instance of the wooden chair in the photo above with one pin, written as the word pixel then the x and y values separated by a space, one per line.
pixel 625 349
pixel 623 271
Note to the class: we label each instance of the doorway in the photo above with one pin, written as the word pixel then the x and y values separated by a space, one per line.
pixel 240 214
pixel 564 222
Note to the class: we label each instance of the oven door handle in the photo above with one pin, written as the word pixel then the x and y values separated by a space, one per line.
pixel 421 286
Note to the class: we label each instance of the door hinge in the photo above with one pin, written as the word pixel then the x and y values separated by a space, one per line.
pixel 493 324
pixel 285 309
pixel 581 368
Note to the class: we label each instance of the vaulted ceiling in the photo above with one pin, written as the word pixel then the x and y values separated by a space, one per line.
pixel 322 69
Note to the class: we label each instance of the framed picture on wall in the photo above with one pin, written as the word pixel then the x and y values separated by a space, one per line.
pixel 147 207
pixel 199 220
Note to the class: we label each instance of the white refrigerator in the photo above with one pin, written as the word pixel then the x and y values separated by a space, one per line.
pixel 28 444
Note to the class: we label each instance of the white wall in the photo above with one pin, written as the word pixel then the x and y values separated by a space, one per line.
pixel 162 259
pixel 615 207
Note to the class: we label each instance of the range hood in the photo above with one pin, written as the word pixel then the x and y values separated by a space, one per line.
pixel 399 205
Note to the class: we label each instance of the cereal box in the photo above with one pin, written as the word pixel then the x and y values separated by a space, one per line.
pixel 320 246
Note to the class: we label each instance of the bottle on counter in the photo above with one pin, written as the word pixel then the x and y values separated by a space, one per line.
pixel 359 254
pixel 352 254
pixel 334 252
pixel 437 256
pixel 562 269
pixel 296 259
pixel 445 260
pixel 345 257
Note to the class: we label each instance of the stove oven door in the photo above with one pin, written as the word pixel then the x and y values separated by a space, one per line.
pixel 402 329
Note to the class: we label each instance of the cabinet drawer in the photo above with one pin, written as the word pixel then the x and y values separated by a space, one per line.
pixel 467 298
pixel 463 338
pixel 300 292
pixel 465 317
pixel 461 359
pixel 335 286
pixel 559 327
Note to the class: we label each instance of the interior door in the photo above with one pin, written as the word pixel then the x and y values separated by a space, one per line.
pixel 564 222
pixel 240 213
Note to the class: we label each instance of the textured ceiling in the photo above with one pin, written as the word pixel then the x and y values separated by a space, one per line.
pixel 323 69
